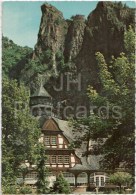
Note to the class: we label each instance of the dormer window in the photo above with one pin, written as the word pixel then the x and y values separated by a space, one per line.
pixel 53 140
pixel 47 140
pixel 50 140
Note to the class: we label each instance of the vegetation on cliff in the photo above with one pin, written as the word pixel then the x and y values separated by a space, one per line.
pixel 12 54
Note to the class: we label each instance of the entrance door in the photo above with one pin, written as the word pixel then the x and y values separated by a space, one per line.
pixel 99 180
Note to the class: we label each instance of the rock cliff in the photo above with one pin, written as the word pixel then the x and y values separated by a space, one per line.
pixel 70 46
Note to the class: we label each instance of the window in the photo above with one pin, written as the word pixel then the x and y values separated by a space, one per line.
pixel 31 175
pixel 60 159
pixel 99 180
pixel 53 160
pixel 82 174
pixel 66 159
pixel 107 179
pixel 82 179
pixel 91 180
pixel 47 140
pixel 102 181
pixel 53 140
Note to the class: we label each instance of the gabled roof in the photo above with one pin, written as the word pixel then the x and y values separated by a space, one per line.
pixel 50 125
pixel 65 127
pixel 41 92
pixel 90 163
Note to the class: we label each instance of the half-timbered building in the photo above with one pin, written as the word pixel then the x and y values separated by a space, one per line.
pixel 57 136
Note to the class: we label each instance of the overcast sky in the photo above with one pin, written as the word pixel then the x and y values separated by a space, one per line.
pixel 21 20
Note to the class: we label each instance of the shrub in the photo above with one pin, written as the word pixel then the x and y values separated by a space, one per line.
pixel 120 179
pixel 9 190
pixel 25 190
pixel 61 186
pixel 114 192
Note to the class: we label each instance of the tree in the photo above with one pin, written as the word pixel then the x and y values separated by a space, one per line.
pixel 61 186
pixel 42 172
pixel 20 131
pixel 113 109
pixel 117 90
pixel 89 128
pixel 12 54
pixel 120 179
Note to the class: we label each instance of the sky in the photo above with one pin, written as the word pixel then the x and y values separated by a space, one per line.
pixel 21 20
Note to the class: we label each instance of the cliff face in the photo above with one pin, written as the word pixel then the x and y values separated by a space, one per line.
pixel 52 30
pixel 70 46
pixel 104 32
pixel 74 37
pixel 59 35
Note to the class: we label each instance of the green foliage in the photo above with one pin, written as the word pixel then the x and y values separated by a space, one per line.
pixel 42 172
pixel 20 130
pixel 121 178
pixel 113 192
pixel 12 54
pixel 36 66
pixel 23 170
pixel 129 40
pixel 58 21
pixel 61 186
pixel 25 190
pixel 42 64
pixel 89 128
pixel 46 56
pixel 118 14
pixel 61 65
pixel 117 95
pixel 117 80
pixel 7 189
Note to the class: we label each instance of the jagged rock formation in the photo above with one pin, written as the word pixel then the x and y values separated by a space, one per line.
pixel 52 32
pixel 70 46
pixel 74 37
pixel 104 32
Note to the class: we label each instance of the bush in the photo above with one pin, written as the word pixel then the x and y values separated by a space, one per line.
pixel 25 190
pixel 61 186
pixel 114 192
pixel 120 179
pixel 9 190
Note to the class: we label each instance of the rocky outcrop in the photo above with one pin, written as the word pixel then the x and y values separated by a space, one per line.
pixel 74 38
pixel 52 30
pixel 70 46
pixel 59 35
pixel 104 32
pixel 79 39
pixel 51 36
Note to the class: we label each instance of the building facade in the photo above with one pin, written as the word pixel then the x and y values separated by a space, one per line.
pixel 57 136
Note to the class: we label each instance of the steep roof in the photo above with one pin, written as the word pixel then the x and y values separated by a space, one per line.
pixel 65 127
pixel 90 163
pixel 50 125
pixel 41 92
